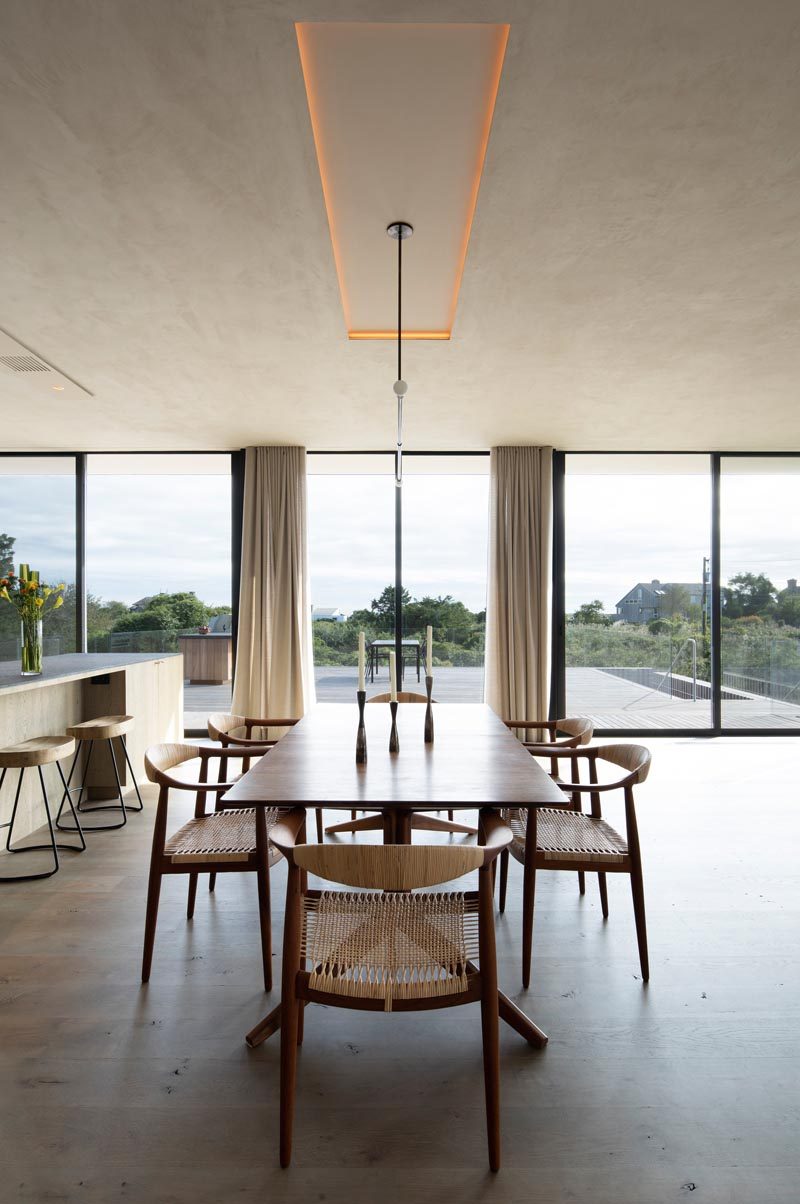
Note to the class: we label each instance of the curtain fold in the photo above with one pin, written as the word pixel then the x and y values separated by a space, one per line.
pixel 274 665
pixel 520 567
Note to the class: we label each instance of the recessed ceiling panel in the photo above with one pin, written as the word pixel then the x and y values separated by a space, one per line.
pixel 401 115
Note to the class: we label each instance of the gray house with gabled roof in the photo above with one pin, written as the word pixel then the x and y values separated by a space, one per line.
pixel 646 601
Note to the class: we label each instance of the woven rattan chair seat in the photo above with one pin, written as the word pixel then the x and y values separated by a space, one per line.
pixel 567 835
pixel 221 836
pixel 390 946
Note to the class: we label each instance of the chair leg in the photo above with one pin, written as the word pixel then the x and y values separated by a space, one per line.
pixel 601 882
pixel 289 1024
pixel 151 916
pixel 265 922
pixel 637 890
pixel 192 895
pixel 212 880
pixel 581 882
pixel 504 857
pixel 490 1026
pixel 528 892
pixel 320 837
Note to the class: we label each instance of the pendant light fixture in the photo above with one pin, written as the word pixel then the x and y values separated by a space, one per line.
pixel 399 231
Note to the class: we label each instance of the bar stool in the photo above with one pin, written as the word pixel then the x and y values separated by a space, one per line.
pixel 105 728
pixel 43 750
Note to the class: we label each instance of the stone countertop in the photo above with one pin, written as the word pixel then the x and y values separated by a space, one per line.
pixel 71 667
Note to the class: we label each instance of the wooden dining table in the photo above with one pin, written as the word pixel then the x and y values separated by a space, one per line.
pixel 473 762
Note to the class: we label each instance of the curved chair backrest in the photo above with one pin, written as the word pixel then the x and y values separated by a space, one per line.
pixel 220 724
pixel 160 758
pixel 581 729
pixel 633 757
pixel 402 696
pixel 388 867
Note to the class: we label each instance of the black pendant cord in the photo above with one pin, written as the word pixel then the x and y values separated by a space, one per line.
pixel 399 308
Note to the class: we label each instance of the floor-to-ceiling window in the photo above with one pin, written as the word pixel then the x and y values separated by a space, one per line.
pixel 351 552
pixel 445 534
pixel 158 566
pixel 760 598
pixel 355 532
pixel 636 635
pixel 37 527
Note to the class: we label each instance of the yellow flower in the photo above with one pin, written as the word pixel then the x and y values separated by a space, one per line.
pixel 58 602
pixel 39 601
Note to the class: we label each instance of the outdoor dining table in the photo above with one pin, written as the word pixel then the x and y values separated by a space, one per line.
pixel 474 762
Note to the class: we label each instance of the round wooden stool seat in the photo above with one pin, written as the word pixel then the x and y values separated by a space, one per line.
pixel 40 751
pixel 105 727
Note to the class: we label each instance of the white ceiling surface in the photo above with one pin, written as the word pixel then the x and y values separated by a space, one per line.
pixel 632 280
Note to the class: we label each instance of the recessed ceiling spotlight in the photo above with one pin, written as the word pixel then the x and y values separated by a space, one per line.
pixel 58 388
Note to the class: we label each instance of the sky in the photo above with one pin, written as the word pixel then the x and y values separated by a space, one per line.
pixel 147 534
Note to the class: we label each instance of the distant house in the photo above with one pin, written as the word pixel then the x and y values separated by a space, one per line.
pixel 650 600
pixel 331 614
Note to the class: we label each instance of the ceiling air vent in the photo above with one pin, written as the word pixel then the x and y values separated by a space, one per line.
pixel 23 363
pixel 33 375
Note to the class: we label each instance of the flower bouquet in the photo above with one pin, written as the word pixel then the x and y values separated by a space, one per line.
pixel 31 598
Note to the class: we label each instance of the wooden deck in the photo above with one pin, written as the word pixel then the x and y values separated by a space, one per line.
pixel 612 702
pixel 609 701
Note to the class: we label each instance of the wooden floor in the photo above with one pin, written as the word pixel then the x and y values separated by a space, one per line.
pixel 688 1089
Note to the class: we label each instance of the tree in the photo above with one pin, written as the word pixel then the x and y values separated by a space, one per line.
pixel 748 594
pixel 674 601
pixel 383 605
pixel 592 613
pixel 788 608
pixel 165 612
pixel 6 554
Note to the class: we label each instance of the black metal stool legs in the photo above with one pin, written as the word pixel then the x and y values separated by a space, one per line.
pixel 118 806
pixel 131 807
pixel 52 846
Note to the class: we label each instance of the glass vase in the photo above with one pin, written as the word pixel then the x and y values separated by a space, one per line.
pixel 31 647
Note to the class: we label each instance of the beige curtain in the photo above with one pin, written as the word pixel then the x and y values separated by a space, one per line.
pixel 274 665
pixel 518 604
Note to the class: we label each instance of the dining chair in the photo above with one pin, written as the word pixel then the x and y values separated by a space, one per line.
pixel 555 838
pixel 419 821
pixel 218 841
pixel 238 730
pixel 383 947
pixel 560 733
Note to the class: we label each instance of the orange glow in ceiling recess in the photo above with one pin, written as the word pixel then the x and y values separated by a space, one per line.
pixel 401 116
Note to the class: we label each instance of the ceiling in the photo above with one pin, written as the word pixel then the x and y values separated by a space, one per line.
pixel 633 272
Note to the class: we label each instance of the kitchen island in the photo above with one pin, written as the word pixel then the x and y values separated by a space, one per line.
pixel 80 686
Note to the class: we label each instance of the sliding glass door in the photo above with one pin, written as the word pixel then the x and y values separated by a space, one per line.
pixel 760 598
pixel 445 536
pixel 356 532
pixel 37 527
pixel 158 566
pixel 351 524
pixel 637 591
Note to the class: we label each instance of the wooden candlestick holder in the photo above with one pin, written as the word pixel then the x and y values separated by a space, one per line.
pixel 361 734
pixel 394 739
pixel 429 711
